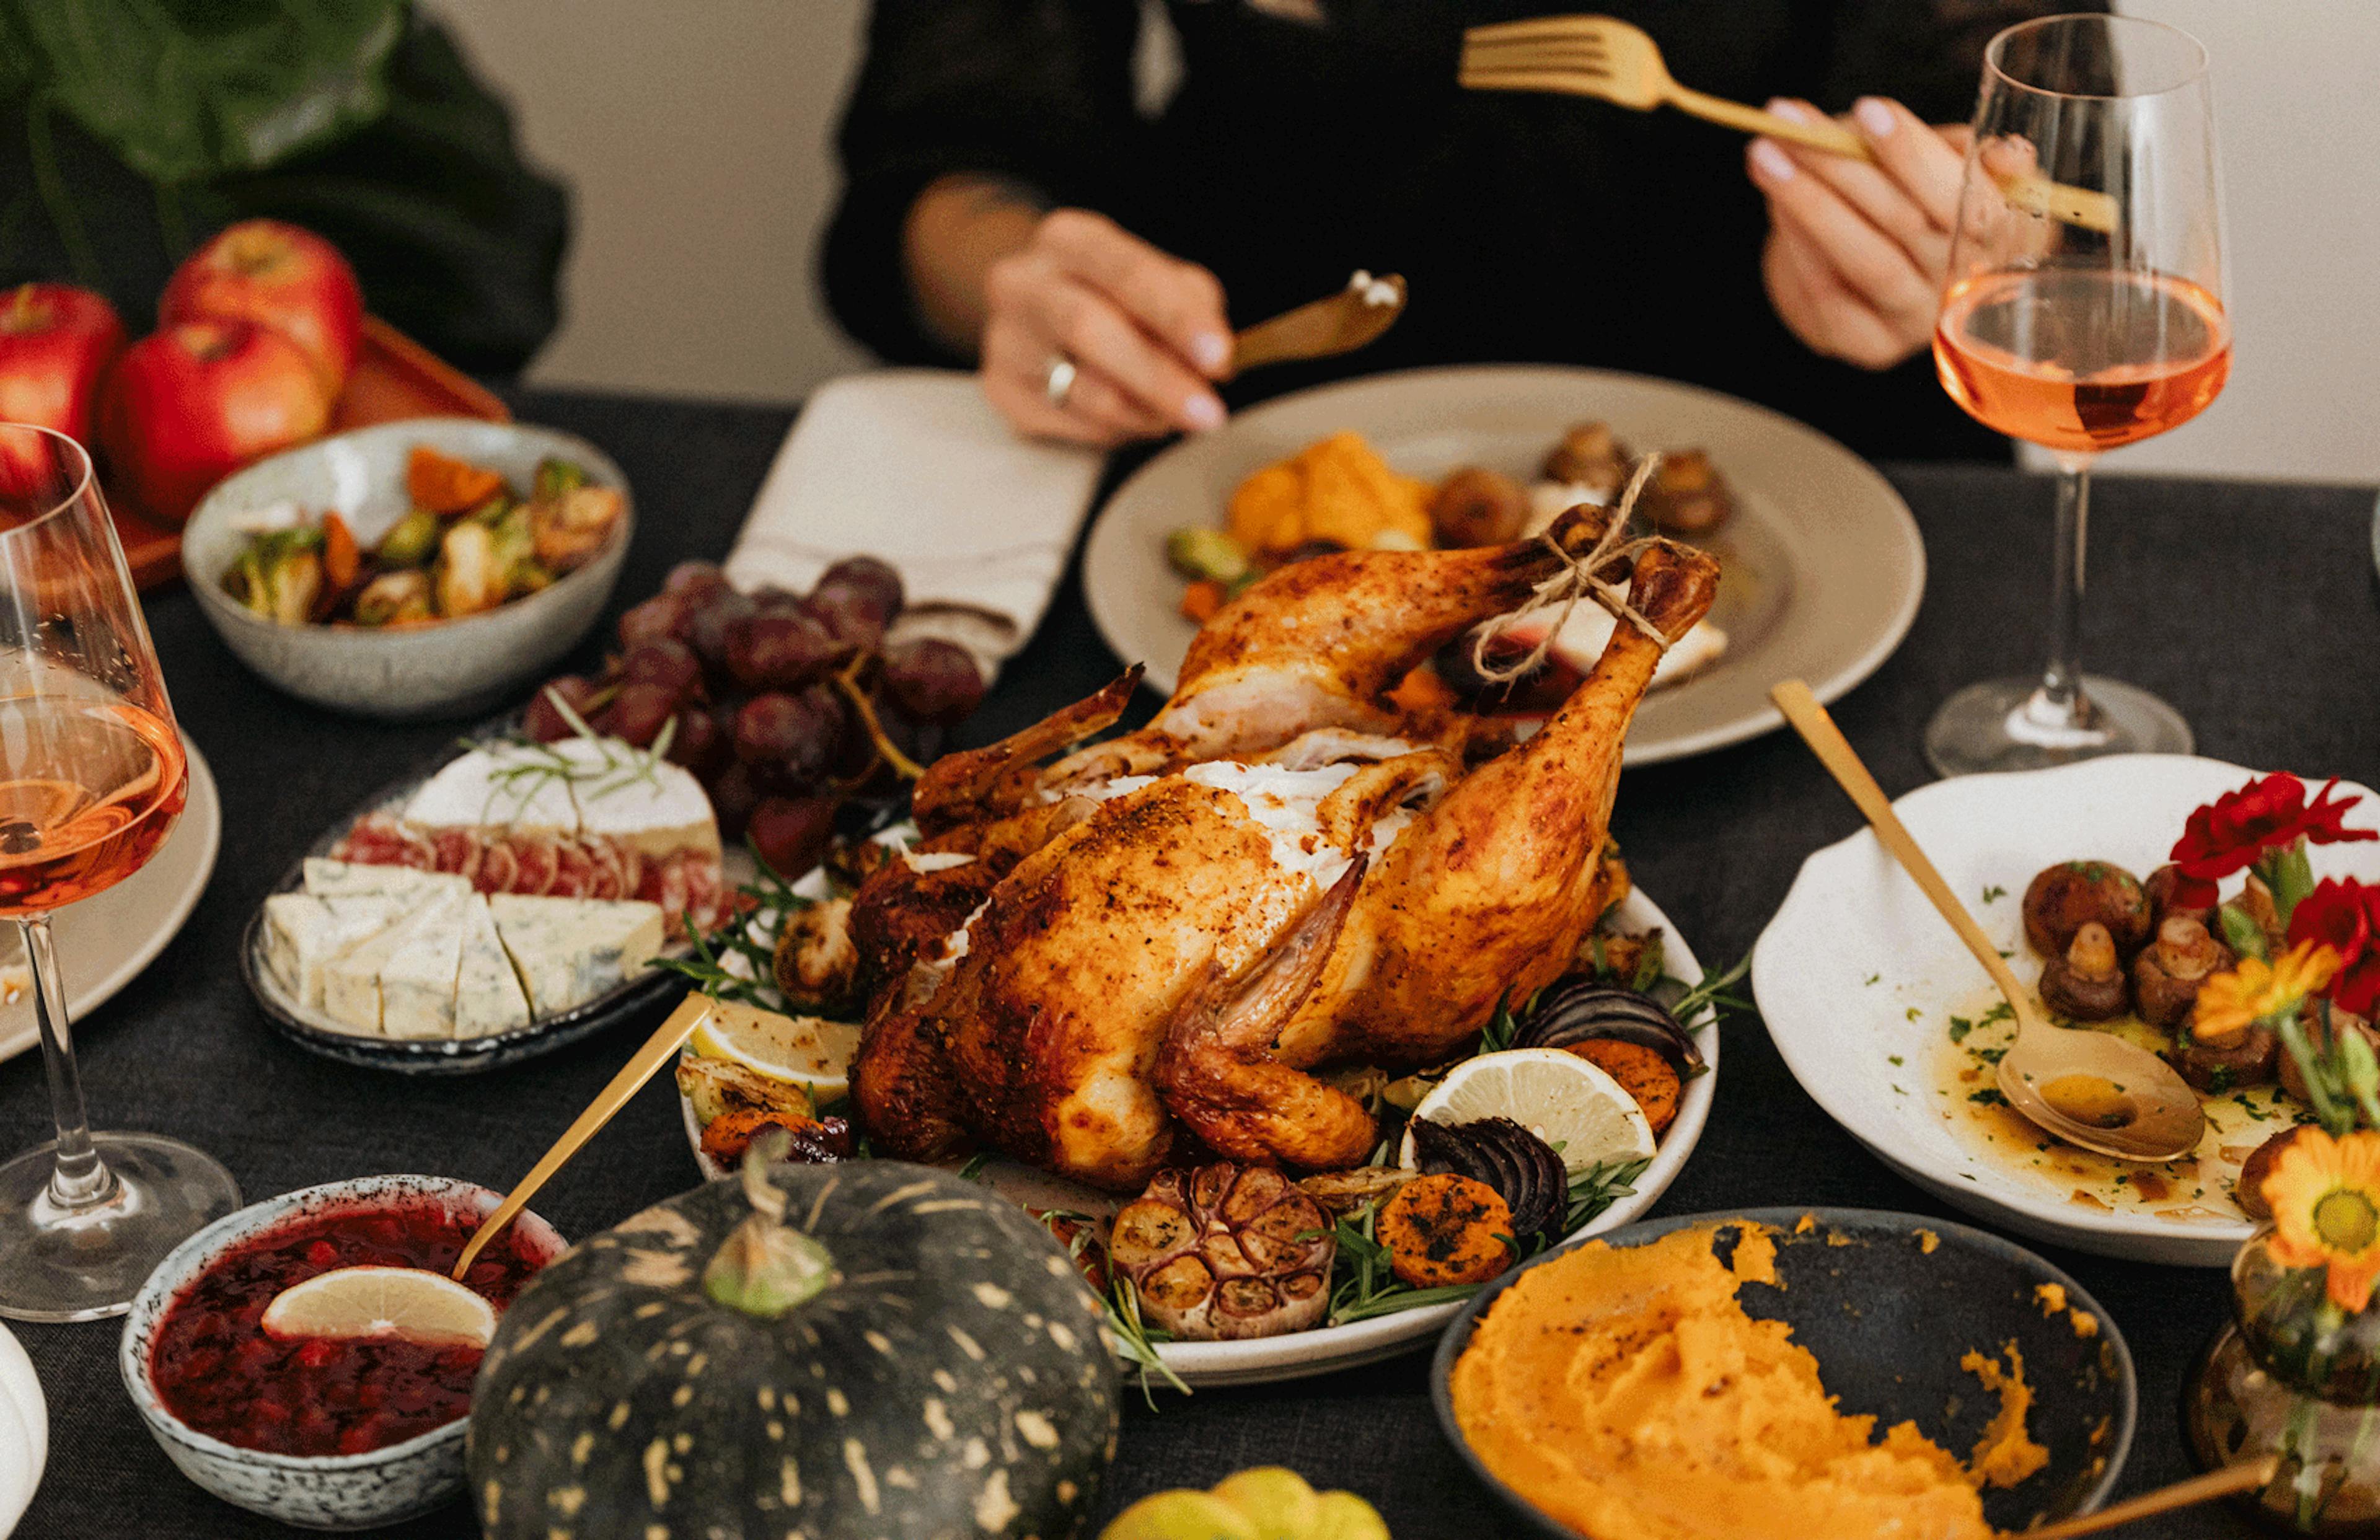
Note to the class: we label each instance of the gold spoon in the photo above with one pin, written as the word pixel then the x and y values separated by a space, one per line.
pixel 657 1051
pixel 2255 1474
pixel 2089 1088
pixel 1337 323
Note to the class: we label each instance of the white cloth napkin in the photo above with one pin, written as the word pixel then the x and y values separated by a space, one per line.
pixel 913 466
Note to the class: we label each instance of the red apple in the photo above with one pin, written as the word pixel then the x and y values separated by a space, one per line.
pixel 276 275
pixel 189 405
pixel 55 342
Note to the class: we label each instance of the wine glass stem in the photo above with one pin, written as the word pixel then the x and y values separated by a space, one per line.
pixel 2059 702
pixel 78 1178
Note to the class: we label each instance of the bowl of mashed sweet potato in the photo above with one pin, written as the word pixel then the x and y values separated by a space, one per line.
pixel 1784 1374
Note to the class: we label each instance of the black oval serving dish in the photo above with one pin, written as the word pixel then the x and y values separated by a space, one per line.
pixel 642 998
pixel 1887 1321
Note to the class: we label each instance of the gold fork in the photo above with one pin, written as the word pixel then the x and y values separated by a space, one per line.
pixel 1612 61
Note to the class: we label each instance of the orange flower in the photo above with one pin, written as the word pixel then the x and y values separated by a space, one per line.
pixel 2326 1198
pixel 2229 1002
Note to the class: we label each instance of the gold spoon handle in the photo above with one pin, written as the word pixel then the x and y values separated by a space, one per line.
pixel 657 1051
pixel 1843 761
pixel 2165 1499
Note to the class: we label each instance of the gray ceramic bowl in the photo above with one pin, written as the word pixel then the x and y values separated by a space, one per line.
pixel 1888 1316
pixel 450 669
pixel 352 1491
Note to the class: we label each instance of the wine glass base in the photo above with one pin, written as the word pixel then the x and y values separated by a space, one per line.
pixel 1998 725
pixel 83 1265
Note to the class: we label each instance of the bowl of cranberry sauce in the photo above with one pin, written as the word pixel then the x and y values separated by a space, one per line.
pixel 342 1432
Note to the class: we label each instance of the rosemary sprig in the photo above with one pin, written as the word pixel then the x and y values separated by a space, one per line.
pixel 1129 1337
pixel 1715 994
pixel 1497 1035
pixel 1597 1188
pixel 712 976
pixel 618 767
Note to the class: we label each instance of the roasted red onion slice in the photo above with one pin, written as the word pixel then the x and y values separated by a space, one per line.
pixel 1527 1173
pixel 1580 1010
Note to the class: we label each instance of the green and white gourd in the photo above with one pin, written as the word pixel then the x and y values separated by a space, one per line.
pixel 869 1350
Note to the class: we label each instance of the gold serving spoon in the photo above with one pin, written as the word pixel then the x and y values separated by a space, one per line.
pixel 2248 1478
pixel 1337 323
pixel 658 1050
pixel 1612 61
pixel 2089 1088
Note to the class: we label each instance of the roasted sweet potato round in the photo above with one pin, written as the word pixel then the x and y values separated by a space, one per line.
pixel 1444 1230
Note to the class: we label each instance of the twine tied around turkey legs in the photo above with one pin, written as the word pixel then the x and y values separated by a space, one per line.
pixel 1577 580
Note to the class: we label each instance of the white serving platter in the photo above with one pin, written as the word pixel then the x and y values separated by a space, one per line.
pixel 1296 1356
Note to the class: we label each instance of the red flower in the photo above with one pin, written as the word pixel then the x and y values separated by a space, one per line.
pixel 2230 833
pixel 2346 916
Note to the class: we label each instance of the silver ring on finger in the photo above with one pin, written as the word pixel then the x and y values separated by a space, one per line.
pixel 1058 379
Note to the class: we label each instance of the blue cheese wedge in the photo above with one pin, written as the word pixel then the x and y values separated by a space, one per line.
pixel 328 878
pixel 417 980
pixel 648 803
pixel 488 994
pixel 570 949
pixel 303 933
pixel 511 786
pixel 351 981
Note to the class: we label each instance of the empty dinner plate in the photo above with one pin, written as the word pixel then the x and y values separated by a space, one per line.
pixel 24 1432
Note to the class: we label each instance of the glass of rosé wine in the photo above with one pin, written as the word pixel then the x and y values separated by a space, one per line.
pixel 92 779
pixel 2084 311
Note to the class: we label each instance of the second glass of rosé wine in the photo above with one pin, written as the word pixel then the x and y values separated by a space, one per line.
pixel 92 777
pixel 2084 311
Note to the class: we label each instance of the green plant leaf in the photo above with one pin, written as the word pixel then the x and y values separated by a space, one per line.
pixel 186 89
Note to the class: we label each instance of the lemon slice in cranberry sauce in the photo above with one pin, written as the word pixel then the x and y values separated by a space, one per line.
pixel 412 1303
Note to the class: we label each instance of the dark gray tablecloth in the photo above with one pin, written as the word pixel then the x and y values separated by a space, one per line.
pixel 2249 606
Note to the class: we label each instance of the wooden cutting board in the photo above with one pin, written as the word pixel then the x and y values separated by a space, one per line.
pixel 395 378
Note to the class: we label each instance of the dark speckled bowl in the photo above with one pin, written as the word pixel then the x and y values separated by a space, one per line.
pixel 1889 1322
pixel 349 1491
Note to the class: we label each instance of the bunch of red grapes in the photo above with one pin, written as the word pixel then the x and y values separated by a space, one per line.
pixel 767 691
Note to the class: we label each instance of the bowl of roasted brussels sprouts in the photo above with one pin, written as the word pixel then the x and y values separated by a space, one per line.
pixel 424 568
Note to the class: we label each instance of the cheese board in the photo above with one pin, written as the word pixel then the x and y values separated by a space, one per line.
pixel 502 903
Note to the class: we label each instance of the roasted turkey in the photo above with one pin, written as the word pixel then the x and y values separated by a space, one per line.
pixel 1141 950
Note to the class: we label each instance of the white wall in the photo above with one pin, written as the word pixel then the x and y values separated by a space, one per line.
pixel 696 133
pixel 2299 137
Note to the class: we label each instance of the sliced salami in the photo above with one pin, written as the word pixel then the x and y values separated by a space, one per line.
pixel 499 868
pixel 608 880
pixel 537 861
pixel 574 871
pixel 378 840
pixel 458 850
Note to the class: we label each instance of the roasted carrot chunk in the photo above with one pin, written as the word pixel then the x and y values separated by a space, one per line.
pixel 1201 599
pixel 341 559
pixel 442 484
pixel 1448 1230
pixel 1641 1072
pixel 1422 690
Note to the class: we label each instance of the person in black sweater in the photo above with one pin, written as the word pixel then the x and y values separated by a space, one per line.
pixel 1008 207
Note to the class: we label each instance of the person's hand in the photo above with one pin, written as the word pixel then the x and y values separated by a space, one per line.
pixel 1143 330
pixel 1857 251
